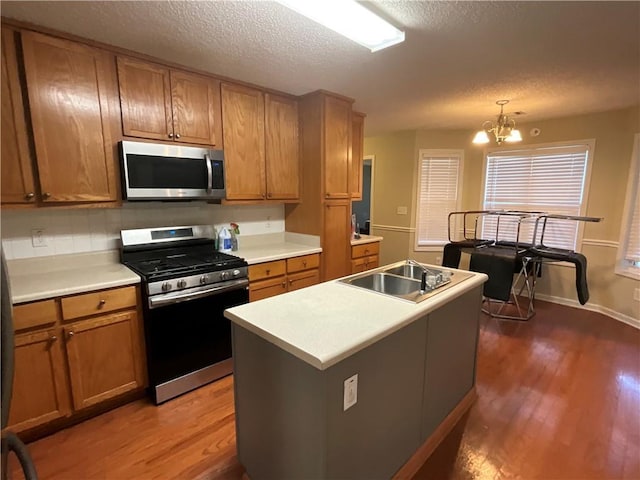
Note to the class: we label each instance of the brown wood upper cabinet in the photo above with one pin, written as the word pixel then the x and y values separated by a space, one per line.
pixel 337 158
pixel 261 145
pixel 159 103
pixel 72 90
pixel 17 172
pixel 357 152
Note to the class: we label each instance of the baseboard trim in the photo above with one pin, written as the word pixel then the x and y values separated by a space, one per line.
pixel 621 317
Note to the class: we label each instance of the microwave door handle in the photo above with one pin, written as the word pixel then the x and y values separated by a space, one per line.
pixel 207 160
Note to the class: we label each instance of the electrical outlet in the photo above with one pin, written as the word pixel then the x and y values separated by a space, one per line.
pixel 402 210
pixel 350 392
pixel 268 224
pixel 438 260
pixel 38 238
pixel 636 294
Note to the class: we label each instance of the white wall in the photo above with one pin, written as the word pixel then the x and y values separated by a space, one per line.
pixel 90 230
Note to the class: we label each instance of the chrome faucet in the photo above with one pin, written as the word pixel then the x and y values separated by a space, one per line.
pixel 425 272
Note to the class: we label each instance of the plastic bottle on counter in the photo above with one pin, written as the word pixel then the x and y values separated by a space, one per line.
pixel 224 240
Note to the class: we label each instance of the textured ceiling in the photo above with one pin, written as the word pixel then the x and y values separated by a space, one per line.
pixel 551 59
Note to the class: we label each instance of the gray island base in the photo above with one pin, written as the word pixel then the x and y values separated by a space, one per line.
pixel 415 379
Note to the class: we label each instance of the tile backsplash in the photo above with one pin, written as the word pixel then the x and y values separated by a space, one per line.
pixel 91 230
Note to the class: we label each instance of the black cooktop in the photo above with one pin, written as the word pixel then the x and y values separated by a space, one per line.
pixel 158 263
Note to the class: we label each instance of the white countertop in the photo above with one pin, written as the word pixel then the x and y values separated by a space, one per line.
pixel 325 323
pixel 267 248
pixel 365 239
pixel 47 277
pixel 40 278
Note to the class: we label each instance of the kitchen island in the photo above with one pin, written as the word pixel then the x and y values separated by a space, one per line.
pixel 295 353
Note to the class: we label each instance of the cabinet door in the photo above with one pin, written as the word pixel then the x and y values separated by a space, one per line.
pixel 357 152
pixel 105 358
pixel 337 147
pixel 196 109
pixel 282 148
pixel 336 248
pixel 40 393
pixel 452 340
pixel 145 99
pixel 17 173
pixel 71 87
pixel 243 132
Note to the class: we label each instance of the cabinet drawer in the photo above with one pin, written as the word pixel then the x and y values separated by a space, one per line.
pixel 29 315
pixel 98 302
pixel 267 288
pixel 371 262
pixel 303 279
pixel 365 249
pixel 306 262
pixel 267 270
pixel 357 265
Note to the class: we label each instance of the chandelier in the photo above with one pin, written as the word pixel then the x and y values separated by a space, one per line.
pixel 504 129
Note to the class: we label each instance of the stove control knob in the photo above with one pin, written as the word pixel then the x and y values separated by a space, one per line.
pixel 236 273
pixel 166 286
pixel 204 279
pixel 182 283
pixel 224 275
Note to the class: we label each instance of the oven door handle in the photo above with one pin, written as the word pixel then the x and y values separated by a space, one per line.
pixel 207 160
pixel 160 301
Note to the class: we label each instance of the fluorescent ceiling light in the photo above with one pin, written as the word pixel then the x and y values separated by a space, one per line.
pixel 350 19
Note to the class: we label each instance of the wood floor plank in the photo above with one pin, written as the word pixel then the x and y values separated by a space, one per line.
pixel 558 398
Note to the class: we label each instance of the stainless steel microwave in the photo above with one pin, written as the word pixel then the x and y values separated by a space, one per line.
pixel 153 171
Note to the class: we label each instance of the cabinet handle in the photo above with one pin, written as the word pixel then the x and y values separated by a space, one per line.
pixel 304 263
pixel 268 271
pixel 268 195
pixel 284 284
pixel 29 196
pixel 101 303
pixel 366 251
pixel 45 195
pixel 70 334
pixel 53 338
pixel 327 195
pixel 170 135
pixel 177 135
pixel 290 282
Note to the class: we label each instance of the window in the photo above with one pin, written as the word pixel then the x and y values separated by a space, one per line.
pixel 629 252
pixel 439 180
pixel 547 179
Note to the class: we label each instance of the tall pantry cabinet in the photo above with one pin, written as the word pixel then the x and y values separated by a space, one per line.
pixel 325 208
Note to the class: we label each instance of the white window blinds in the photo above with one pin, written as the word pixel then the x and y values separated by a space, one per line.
pixel 438 194
pixel 631 243
pixel 546 179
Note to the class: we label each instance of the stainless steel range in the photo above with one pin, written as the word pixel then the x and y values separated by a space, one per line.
pixel 186 287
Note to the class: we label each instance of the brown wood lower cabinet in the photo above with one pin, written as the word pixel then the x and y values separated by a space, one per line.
pixel 273 278
pixel 62 367
pixel 365 257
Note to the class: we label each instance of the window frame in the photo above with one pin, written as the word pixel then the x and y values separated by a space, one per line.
pixel 435 152
pixel 632 191
pixel 589 143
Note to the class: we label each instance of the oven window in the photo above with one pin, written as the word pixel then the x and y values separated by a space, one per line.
pixel 187 336
pixel 148 171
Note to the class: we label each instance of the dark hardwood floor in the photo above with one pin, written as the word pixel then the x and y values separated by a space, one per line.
pixel 558 398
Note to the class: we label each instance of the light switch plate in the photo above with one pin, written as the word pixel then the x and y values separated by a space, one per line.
pixel 350 392
pixel 38 238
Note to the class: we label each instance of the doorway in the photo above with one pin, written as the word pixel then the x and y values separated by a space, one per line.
pixel 363 208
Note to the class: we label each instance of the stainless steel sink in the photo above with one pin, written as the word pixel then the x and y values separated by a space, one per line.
pixel 411 271
pixel 402 280
pixel 389 284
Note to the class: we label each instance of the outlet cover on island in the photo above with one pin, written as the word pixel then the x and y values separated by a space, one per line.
pixel 402 210
pixel 38 239
pixel 350 391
